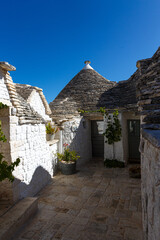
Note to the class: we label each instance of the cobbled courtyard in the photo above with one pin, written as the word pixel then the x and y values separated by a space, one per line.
pixel 96 203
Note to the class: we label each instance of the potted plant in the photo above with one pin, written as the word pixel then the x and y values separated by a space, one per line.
pixel 67 160
pixel 51 130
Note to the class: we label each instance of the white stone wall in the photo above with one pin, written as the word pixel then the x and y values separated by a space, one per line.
pixel 150 187
pixel 77 133
pixel 38 160
pixel 36 103
pixel 4 95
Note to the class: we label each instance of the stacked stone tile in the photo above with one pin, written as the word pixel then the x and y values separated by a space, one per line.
pixel 148 90
pixel 18 95
pixel 122 96
pixel 82 92
pixel 25 90
pixel 89 91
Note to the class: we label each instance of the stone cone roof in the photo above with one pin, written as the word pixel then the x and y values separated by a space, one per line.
pixel 122 96
pixel 82 92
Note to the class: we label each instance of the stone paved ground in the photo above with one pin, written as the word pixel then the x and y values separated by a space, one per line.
pixel 5 205
pixel 94 204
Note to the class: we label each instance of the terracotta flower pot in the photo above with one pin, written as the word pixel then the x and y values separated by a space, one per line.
pixel 67 168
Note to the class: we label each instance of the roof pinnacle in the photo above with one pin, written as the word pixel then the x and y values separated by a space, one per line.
pixel 87 66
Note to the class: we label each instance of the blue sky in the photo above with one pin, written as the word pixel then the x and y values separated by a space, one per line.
pixel 48 41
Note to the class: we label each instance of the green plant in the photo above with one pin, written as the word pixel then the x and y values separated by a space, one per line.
pixel 113 131
pixel 3 105
pixel 68 155
pixel 51 129
pixel 114 163
pixel 5 168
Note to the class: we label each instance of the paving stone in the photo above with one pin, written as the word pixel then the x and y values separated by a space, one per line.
pixel 95 203
pixel 123 213
pixel 80 220
pixel 100 218
pixel 132 234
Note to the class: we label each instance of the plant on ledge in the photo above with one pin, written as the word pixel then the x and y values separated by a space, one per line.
pixel 51 130
pixel 68 160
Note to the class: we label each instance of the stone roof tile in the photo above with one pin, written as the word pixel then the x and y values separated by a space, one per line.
pixel 148 88
pixel 82 92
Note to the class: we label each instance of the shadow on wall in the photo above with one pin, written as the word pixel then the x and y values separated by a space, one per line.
pixel 77 134
pixel 39 179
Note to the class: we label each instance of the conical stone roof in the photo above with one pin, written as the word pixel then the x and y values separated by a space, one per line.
pixel 82 92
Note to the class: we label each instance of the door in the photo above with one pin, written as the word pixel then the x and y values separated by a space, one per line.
pixel 134 140
pixel 97 138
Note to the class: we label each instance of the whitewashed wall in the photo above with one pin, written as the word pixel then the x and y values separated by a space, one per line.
pixel 36 103
pixel 28 142
pixel 4 95
pixel 150 187
pixel 77 133
pixel 38 161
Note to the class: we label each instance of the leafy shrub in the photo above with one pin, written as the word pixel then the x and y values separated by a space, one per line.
pixel 51 129
pixel 114 163
pixel 113 131
pixel 68 155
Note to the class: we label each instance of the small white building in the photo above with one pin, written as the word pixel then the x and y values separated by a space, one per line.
pixel 23 124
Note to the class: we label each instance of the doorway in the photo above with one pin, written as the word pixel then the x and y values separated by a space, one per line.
pixel 97 138
pixel 133 141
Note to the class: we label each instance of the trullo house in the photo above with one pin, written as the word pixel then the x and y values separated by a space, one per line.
pixel 89 91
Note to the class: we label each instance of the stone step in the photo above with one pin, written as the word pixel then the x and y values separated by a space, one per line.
pixel 13 220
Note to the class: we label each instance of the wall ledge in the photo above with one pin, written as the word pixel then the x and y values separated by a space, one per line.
pixel 153 136
pixel 53 142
